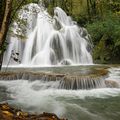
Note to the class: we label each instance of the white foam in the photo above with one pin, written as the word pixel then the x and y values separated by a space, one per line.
pixel 44 96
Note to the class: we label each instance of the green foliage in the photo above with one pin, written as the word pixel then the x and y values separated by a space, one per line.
pixel 106 37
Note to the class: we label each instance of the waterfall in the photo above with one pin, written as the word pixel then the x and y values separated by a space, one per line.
pixel 56 40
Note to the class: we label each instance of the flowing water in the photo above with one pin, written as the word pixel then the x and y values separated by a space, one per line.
pixel 50 40
pixel 38 96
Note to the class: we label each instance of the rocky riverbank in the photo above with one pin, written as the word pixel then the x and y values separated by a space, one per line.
pixel 9 113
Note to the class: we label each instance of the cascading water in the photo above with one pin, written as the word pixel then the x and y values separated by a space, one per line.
pixel 50 41
pixel 43 95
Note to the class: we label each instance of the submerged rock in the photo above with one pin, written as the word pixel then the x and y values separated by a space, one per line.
pixel 112 84
pixel 9 113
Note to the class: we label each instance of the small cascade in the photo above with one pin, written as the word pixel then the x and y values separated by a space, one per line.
pixel 50 40
pixel 83 82
pixel 113 79
pixel 64 81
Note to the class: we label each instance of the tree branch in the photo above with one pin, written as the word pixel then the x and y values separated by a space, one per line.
pixel 12 17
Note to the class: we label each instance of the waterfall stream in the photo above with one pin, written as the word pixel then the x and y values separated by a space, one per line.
pixel 56 40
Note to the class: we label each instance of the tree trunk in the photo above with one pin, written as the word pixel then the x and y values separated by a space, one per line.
pixel 1 59
pixel 5 26
pixel 2 9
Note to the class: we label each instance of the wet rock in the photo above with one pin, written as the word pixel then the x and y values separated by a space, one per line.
pixel 112 84
pixel 65 62
pixel 9 113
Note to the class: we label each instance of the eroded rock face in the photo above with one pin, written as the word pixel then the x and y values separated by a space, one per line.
pixel 9 113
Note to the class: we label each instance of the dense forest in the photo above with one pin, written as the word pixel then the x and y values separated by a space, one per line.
pixel 100 17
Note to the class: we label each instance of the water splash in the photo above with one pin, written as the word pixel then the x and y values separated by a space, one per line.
pixel 66 81
pixel 39 96
pixel 50 40
pixel 113 79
